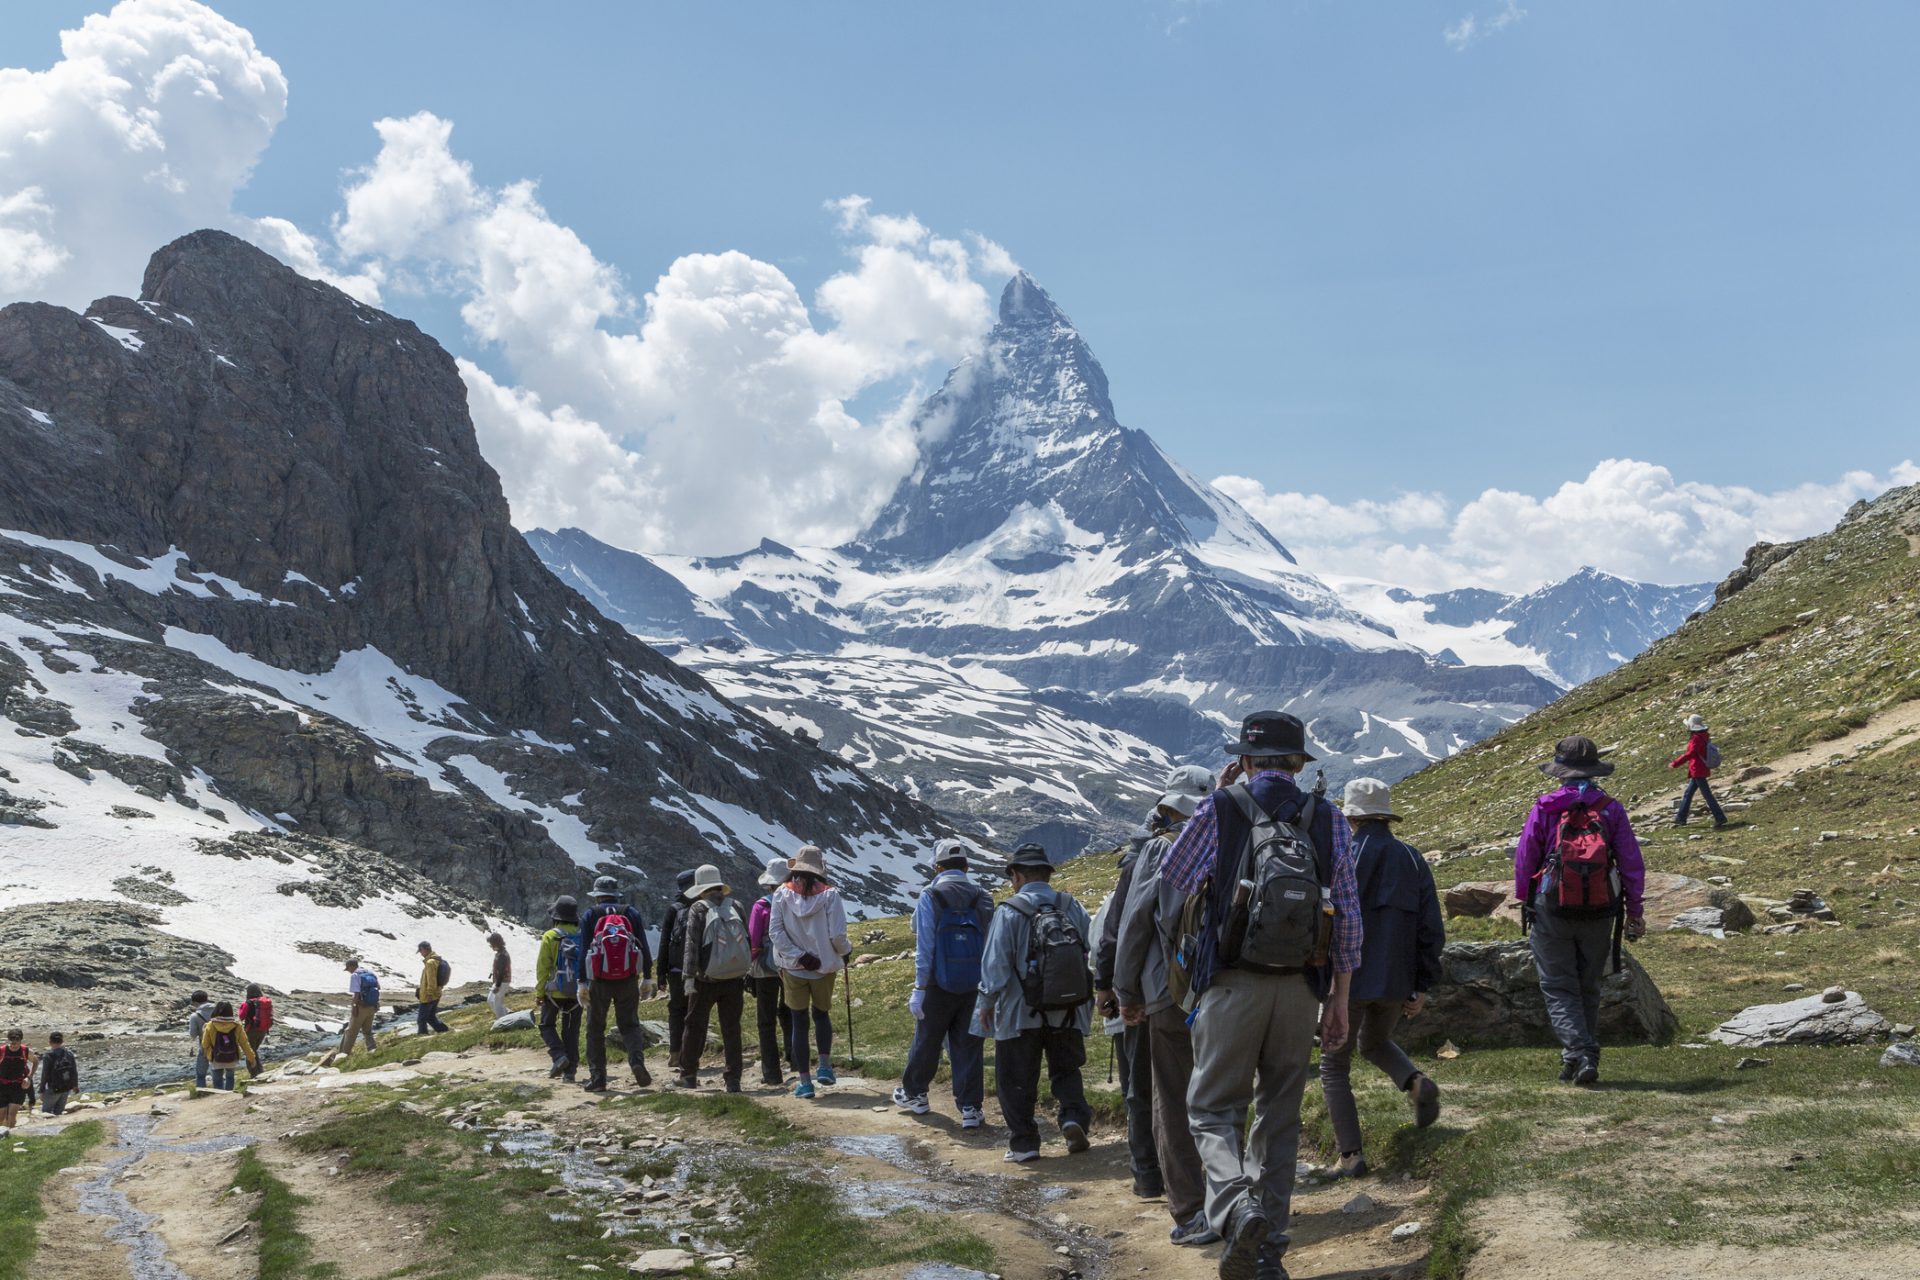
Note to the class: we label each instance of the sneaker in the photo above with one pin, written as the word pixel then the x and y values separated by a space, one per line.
pixel 916 1103
pixel 1194 1232
pixel 1076 1135
pixel 641 1076
pixel 1353 1164
pixel 1588 1072
pixel 595 1084
pixel 772 1080
pixel 570 1078
pixel 1426 1101
pixel 804 1089
pixel 972 1117
pixel 1149 1186
pixel 1246 1231
pixel 1568 1066
pixel 1021 1157
pixel 1721 823
pixel 1271 1263
pixel 825 1075
pixel 559 1069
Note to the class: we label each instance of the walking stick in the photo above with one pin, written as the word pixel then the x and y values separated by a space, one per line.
pixel 853 1057
pixel 1110 1040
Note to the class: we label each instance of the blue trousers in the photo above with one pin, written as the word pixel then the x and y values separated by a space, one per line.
pixel 1699 787
pixel 944 1022
pixel 427 1017
pixel 223 1078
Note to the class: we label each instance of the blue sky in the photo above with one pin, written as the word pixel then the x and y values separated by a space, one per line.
pixel 1321 246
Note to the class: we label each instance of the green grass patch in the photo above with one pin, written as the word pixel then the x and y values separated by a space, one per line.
pixel 286 1252
pixel 751 1120
pixel 800 1230
pixel 22 1175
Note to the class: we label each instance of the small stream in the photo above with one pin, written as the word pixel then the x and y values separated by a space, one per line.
pixel 101 1196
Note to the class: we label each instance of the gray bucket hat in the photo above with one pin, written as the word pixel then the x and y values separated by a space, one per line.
pixel 776 873
pixel 1369 798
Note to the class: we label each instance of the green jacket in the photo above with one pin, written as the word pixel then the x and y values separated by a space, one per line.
pixel 549 960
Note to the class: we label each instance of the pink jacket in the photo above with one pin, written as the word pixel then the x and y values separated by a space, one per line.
pixel 759 919
pixel 1536 841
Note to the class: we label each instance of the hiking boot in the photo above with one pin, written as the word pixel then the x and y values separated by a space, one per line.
pixel 560 1067
pixel 825 1075
pixel 569 1078
pixel 595 1084
pixel 1020 1157
pixel 687 1082
pixel 1587 1072
pixel 772 1079
pixel 972 1117
pixel 1194 1232
pixel 1568 1068
pixel 1271 1264
pixel 641 1076
pixel 1149 1186
pixel 804 1089
pixel 1076 1135
pixel 1719 824
pixel 916 1103
pixel 1425 1095
pixel 1247 1228
pixel 1352 1164
pixel 733 1085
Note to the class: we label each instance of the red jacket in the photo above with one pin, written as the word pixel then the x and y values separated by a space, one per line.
pixel 1695 756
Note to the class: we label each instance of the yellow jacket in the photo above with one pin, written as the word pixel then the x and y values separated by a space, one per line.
pixel 211 1031
pixel 429 989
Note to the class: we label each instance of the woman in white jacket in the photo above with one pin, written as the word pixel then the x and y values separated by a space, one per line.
pixel 808 932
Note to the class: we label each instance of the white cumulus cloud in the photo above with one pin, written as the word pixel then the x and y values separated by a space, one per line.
pixel 1627 517
pixel 1473 28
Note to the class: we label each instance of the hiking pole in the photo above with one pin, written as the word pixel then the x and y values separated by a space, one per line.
pixel 853 1057
pixel 1110 1040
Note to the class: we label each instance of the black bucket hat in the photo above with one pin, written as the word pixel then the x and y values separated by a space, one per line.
pixel 1576 758
pixel 1029 855
pixel 1271 733
pixel 565 910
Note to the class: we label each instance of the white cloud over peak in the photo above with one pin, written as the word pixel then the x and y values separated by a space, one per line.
pixel 1473 28
pixel 1630 518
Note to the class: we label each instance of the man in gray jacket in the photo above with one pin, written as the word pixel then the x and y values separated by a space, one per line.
pixel 1037 937
pixel 1149 919
pixel 196 1024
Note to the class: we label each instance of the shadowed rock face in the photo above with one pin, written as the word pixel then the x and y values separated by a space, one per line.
pixel 311 462
pixel 1489 998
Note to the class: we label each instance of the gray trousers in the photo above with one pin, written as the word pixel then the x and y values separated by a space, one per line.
pixel 1171 1045
pixel 1134 1057
pixel 1373 1023
pixel 1252 1043
pixel 1572 956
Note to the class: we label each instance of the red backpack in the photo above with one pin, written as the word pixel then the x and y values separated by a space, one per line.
pixel 1580 877
pixel 258 1016
pixel 614 956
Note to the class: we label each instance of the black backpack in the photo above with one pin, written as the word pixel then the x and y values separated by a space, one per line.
pixel 62 1071
pixel 1055 976
pixel 1282 918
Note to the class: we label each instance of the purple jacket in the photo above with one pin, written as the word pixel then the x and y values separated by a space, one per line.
pixel 1536 841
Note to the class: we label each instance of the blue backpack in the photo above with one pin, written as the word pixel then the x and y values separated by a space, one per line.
pixel 960 916
pixel 565 982
pixel 369 988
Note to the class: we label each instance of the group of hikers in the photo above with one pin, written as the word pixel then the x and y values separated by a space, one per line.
pixel 59 1077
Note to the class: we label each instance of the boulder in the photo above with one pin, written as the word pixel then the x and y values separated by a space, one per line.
pixel 1480 898
pixel 1669 896
pixel 1810 1020
pixel 1904 1054
pixel 652 1032
pixel 519 1020
pixel 1489 998
pixel 663 1262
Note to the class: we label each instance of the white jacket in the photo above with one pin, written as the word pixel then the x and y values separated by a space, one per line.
pixel 815 925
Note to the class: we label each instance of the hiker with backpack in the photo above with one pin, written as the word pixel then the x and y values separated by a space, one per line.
pixel 718 957
pixel 1701 758
pixel 557 975
pixel 1399 962
pixel 669 976
pixel 502 976
pixel 773 1021
pixel 59 1075
pixel 1269 937
pixel 256 1012
pixel 434 973
pixel 617 963
pixel 197 1023
pixel 1036 1002
pixel 1578 874
pixel 808 929
pixel 1143 952
pixel 950 923
pixel 225 1040
pixel 16 1078
pixel 363 1002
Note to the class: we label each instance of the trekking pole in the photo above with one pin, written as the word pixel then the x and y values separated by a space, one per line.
pixel 853 1057
pixel 1110 1040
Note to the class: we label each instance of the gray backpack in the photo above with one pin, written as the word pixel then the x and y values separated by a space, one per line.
pixel 1282 920
pixel 1055 976
pixel 725 952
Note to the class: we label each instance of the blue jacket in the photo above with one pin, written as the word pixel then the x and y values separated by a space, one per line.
pixel 1400 953
pixel 1000 995
pixel 925 928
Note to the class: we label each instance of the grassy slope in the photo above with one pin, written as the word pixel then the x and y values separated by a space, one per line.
pixel 23 1174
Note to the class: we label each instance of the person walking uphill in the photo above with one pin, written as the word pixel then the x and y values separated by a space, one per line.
pixel 1578 874
pixel 617 962
pixel 225 1040
pixel 1273 956
pixel 16 1077
pixel 667 976
pixel 1036 1001
pixel 808 927
pixel 502 976
pixel 950 923
pixel 1700 757
pixel 59 1075
pixel 1399 962
pixel 363 1000
pixel 256 1014
pixel 718 957
pixel 434 973
pixel 557 975
pixel 773 1021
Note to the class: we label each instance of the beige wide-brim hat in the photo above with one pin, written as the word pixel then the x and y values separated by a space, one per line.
pixel 809 858
pixel 1369 798
pixel 776 873
pixel 706 878
pixel 1696 724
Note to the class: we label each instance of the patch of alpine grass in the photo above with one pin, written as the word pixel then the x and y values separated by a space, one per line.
pixel 22 1176
pixel 735 1110
pixel 286 1252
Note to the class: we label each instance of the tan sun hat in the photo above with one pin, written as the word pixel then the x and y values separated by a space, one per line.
pixel 1369 798
pixel 809 858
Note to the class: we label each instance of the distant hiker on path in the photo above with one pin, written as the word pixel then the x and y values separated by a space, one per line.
pixel 616 962
pixel 950 923
pixel 1142 957
pixel 808 926
pixel 256 1014
pixel 668 975
pixel 225 1040
pixel 363 1002
pixel 557 975
pixel 773 1021
pixel 1273 958
pixel 718 956
pixel 1700 758
pixel 1400 962
pixel 502 976
pixel 16 1077
pixel 59 1075
pixel 434 973
pixel 1578 873
pixel 196 1023
pixel 1036 1002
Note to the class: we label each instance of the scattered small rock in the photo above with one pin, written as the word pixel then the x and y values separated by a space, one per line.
pixel 1904 1054
pixel 1752 1064
pixel 1407 1230
pixel 1362 1203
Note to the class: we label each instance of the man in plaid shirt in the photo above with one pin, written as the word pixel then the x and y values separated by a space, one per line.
pixel 1253 1031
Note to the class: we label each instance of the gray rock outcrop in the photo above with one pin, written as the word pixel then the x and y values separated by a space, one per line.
pixel 1812 1020
pixel 1489 998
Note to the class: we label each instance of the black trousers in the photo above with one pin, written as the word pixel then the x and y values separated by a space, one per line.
pixel 560 1031
pixel 1017 1081
pixel 624 996
pixel 773 1024
pixel 1135 1054
pixel 729 996
pixel 676 1017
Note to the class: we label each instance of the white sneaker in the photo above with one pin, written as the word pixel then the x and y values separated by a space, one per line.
pixel 972 1118
pixel 916 1103
pixel 1021 1157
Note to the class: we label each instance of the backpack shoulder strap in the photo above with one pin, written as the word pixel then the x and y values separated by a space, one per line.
pixel 1021 905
